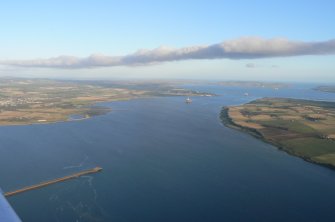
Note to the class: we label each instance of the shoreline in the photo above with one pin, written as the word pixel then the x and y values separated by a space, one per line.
pixel 228 122
pixel 90 107
pixel 67 119
pixel 43 101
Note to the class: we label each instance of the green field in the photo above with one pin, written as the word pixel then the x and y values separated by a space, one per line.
pixel 302 128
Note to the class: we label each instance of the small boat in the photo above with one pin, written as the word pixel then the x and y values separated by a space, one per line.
pixel 188 100
pixel 246 94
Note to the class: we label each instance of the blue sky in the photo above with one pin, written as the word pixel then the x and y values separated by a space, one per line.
pixel 80 28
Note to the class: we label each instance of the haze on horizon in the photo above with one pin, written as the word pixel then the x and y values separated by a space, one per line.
pixel 220 40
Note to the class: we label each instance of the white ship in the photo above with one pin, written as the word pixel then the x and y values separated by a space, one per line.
pixel 188 100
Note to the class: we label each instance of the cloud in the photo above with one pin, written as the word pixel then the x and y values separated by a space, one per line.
pixel 241 48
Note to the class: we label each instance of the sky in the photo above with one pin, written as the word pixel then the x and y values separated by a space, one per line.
pixel 276 40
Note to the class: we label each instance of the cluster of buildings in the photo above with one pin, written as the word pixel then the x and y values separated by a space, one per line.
pixel 12 102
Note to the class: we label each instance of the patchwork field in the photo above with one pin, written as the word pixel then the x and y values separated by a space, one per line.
pixel 300 127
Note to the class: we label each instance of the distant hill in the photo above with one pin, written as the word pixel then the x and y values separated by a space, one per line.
pixel 254 84
pixel 330 89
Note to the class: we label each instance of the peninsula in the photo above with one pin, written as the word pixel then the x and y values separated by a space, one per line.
pixel 303 128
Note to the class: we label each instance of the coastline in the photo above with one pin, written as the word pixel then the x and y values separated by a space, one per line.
pixel 228 122
pixel 44 101
pixel 93 107
pixel 80 111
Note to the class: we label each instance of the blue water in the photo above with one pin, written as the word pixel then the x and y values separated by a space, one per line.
pixel 164 160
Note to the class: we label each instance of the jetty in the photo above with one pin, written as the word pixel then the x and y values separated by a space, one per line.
pixel 47 183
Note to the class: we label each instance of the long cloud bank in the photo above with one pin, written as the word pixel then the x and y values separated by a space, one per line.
pixel 242 48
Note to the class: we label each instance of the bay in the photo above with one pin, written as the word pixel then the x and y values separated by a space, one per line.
pixel 164 160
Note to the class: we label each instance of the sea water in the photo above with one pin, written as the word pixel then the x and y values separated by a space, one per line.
pixel 164 160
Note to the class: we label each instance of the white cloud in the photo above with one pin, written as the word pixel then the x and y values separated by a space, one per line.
pixel 242 48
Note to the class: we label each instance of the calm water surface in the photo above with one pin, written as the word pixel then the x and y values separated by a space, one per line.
pixel 164 160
